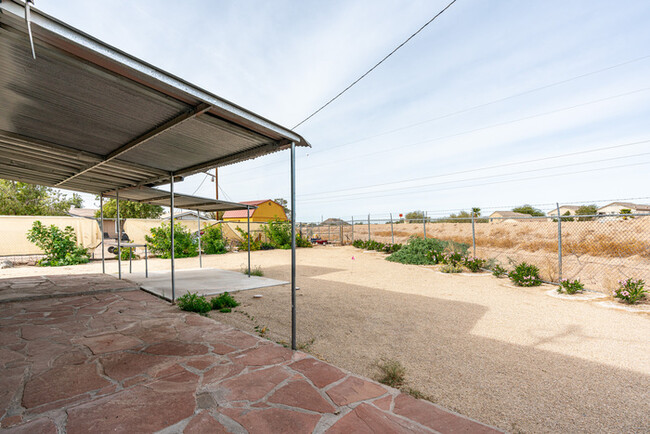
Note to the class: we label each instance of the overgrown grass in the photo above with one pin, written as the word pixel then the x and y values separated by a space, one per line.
pixel 223 303
pixel 193 302
pixel 390 372
pixel 255 271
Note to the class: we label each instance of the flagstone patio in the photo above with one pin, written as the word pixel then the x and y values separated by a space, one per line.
pixel 117 359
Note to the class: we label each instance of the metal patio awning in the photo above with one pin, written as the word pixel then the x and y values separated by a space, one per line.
pixel 88 117
pixel 155 196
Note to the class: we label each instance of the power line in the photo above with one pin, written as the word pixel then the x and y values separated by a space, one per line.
pixel 496 166
pixel 376 65
pixel 474 185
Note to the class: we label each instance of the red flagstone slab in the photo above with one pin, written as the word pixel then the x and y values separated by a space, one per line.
pixel 274 420
pixel 203 362
pixel 353 390
pixel 11 421
pixel 198 320
pixel 74 357
pixel 31 332
pixel 10 380
pixel 219 372
pixel 222 348
pixel 119 366
pixel 37 426
pixel 60 383
pixel 262 356
pixel 175 348
pixel 8 356
pixel 437 418
pixel 204 423
pixel 301 394
pixel 321 374
pixel 233 338
pixel 255 385
pixel 184 381
pixel 139 409
pixel 109 343
pixel 383 403
pixel 366 419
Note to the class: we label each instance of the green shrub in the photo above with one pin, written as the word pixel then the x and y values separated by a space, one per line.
pixel 255 271
pixel 453 258
pixel 499 271
pixel 192 302
pixel 255 244
pixel 125 254
pixel 630 290
pixel 60 246
pixel 358 244
pixel 416 251
pixel 278 233
pixel 451 268
pixel 525 275
pixel 474 264
pixel 223 301
pixel 570 286
pixel 225 310
pixel 160 244
pixel 212 241
pixel 392 248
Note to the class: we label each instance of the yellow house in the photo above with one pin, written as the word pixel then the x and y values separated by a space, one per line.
pixel 266 210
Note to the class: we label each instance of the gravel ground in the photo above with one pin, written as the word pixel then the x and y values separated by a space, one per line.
pixel 510 357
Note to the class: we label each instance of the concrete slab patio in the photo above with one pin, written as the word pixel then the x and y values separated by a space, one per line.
pixel 127 361
pixel 205 281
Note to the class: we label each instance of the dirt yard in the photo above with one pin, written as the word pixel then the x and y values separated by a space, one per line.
pixel 510 357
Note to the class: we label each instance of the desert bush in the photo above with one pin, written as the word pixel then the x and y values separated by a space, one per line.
pixel 525 275
pixel 125 253
pixel 630 290
pixel 391 248
pixel 255 271
pixel 570 286
pixel 474 264
pixel 451 268
pixel 255 244
pixel 192 302
pixel 223 301
pixel 417 250
pixel 212 241
pixel 60 246
pixel 390 372
pixel 278 233
pixel 160 243
pixel 499 271
pixel 453 258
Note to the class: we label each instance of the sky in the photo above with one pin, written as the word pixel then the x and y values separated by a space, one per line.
pixel 494 104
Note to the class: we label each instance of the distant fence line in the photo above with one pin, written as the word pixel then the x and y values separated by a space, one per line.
pixel 597 249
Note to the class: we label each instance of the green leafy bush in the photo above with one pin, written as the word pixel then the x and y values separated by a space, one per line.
pixel 453 258
pixel 417 251
pixel 125 254
pixel 223 301
pixel 451 268
pixel 212 241
pixel 278 233
pixel 60 246
pixel 474 264
pixel 630 290
pixel 192 302
pixel 525 275
pixel 255 244
pixel 570 286
pixel 499 271
pixel 160 243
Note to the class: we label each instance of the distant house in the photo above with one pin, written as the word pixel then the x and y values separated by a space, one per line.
pixel 87 213
pixel 185 215
pixel 616 207
pixel 266 211
pixel 563 210
pixel 509 216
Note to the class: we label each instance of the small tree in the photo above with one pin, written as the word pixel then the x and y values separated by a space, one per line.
pixel 131 210
pixel 476 211
pixel 19 198
pixel 586 210
pixel 530 210
pixel 60 246
pixel 212 241
pixel 185 244
pixel 414 217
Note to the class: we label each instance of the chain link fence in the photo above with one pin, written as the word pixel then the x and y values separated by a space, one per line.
pixel 599 250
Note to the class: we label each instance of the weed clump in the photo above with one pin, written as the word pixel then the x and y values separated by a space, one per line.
pixel 391 372
pixel 525 275
pixel 193 302
pixel 223 303
pixel 255 271
pixel 417 251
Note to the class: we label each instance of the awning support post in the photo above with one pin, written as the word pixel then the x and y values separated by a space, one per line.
pixel 171 184
pixel 119 236
pixel 198 220
pixel 101 218
pixel 248 222
pixel 293 246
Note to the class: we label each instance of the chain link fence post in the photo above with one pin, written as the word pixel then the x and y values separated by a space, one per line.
pixel 392 235
pixel 353 229
pixel 559 242
pixel 473 235
pixel 368 227
pixel 424 223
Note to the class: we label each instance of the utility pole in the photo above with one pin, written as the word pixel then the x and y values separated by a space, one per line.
pixel 216 183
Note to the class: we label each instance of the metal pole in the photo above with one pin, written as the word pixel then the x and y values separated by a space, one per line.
pixel 392 235
pixel 101 216
pixel 293 246
pixel 198 220
pixel 341 231
pixel 424 223
pixel 130 260
pixel 171 220
pixel 368 227
pixel 559 241
pixel 248 219
pixel 146 261
pixel 473 236
pixel 119 236
pixel 352 228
